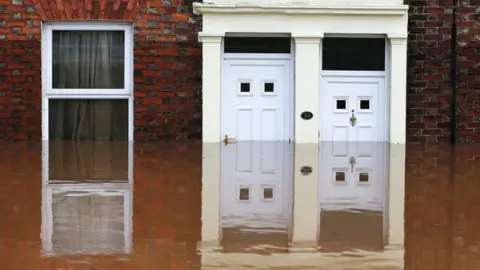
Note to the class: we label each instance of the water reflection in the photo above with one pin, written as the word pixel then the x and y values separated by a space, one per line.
pixel 115 205
pixel 257 200
pixel 80 217
pixel 256 197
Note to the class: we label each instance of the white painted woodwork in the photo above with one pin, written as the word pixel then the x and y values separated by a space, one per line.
pixel 257 98
pixel 307 23
pixel 359 94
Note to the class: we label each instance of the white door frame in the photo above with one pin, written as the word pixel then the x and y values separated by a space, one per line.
pixel 384 97
pixel 243 58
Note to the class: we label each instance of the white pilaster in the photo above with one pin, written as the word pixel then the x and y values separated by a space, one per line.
pixel 306 205
pixel 211 87
pixel 398 88
pixel 307 76
pixel 396 195
pixel 210 196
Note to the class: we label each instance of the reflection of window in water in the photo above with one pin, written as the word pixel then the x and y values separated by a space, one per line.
pixel 244 194
pixel 88 161
pixel 88 222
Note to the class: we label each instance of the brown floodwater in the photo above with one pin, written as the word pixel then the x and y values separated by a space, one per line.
pixel 120 205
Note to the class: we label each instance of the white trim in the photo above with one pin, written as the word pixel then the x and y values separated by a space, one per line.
pixel 50 93
pixel 392 10
pixel 307 24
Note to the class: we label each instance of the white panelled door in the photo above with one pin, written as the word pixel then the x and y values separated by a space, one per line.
pixel 256 100
pixel 353 108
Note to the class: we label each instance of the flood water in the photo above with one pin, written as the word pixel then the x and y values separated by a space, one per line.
pixel 119 205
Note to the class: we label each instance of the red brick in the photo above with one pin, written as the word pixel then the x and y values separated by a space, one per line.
pixel 27 86
pixel 429 70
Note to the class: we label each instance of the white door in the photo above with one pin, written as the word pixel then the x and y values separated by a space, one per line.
pixel 353 175
pixel 353 108
pixel 257 185
pixel 256 100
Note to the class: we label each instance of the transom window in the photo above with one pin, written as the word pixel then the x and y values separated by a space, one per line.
pixel 87 89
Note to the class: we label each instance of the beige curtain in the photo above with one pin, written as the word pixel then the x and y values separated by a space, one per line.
pixel 82 60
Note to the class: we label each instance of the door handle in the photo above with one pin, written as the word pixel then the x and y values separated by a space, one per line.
pixel 353 119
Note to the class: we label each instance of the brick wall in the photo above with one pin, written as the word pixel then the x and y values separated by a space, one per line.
pixel 428 109
pixel 167 70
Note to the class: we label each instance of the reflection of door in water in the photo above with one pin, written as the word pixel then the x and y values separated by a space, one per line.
pixel 256 192
pixel 352 175
pixel 352 191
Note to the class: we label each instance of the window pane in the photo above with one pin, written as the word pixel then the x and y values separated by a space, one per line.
pixel 365 104
pixel 341 104
pixel 257 44
pixel 88 119
pixel 88 59
pixel 268 87
pixel 356 54
pixel 244 87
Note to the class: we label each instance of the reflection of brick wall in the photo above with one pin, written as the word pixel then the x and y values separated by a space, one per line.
pixel 166 211
pixel 466 226
pixel 167 70
pixel 167 204
pixel 441 222
pixel 427 212
pixel 428 106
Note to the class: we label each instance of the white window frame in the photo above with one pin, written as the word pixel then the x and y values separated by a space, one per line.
pixel 48 92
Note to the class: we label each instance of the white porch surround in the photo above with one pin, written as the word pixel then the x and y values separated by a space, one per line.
pixel 398 87
pixel 307 23
pixel 307 70
pixel 211 87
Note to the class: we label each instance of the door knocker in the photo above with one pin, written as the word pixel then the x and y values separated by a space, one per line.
pixel 353 119
pixel 352 162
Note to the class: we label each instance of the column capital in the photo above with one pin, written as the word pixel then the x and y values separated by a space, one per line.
pixel 301 38
pixel 397 39
pixel 206 37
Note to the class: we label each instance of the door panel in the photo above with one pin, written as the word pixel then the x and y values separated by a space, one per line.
pixel 352 108
pixel 256 100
